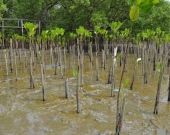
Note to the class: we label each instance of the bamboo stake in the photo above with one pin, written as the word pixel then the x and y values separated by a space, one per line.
pixel 61 71
pixel 20 55
pixel 112 72
pixel 31 70
pixel 11 56
pixel 43 84
pixel 56 61
pixel 71 56
pixel 25 52
pixel 169 89
pixel 6 63
pixel 110 76
pixel 145 67
pixel 77 91
pixel 16 72
pixel 102 58
pixel 51 55
pixel 66 88
pixel 65 60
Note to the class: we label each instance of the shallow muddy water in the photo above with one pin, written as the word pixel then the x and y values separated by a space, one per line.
pixel 22 111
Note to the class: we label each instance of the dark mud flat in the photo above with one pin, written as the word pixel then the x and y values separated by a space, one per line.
pixel 22 111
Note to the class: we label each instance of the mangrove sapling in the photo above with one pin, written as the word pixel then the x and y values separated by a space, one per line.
pixel 134 72
pixel 118 113
pixel 31 30
pixel 115 26
pixel 160 70
pixel 11 56
pixel 66 88
pixel 96 32
pixel 72 47
pixel 43 83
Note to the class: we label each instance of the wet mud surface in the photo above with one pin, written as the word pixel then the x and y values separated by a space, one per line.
pixel 22 111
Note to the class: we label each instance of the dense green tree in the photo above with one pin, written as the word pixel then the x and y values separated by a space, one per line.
pixel 2 8
pixel 70 14
pixel 158 17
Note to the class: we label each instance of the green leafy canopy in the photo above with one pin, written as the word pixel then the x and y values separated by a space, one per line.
pixel 140 8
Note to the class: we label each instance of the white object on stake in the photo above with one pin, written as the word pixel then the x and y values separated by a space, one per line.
pixel 115 53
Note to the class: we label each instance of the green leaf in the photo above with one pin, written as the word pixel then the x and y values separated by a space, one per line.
pixel 125 82
pixel 138 2
pixel 144 10
pixel 118 55
pixel 39 53
pixel 155 1
pixel 4 50
pixel 134 13
pixel 74 73
pixel 159 66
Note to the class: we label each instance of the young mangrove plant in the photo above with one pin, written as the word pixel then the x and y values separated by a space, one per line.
pixel 119 114
pixel 60 42
pixel 81 33
pixel 115 26
pixel 44 37
pixel 31 30
pixel 72 37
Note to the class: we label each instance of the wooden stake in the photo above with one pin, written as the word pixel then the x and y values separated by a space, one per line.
pixel 77 91
pixel 31 70
pixel 66 88
pixel 6 63
pixel 97 67
pixel 16 72
pixel 169 89
pixel 65 60
pixel 43 83
pixel 11 56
